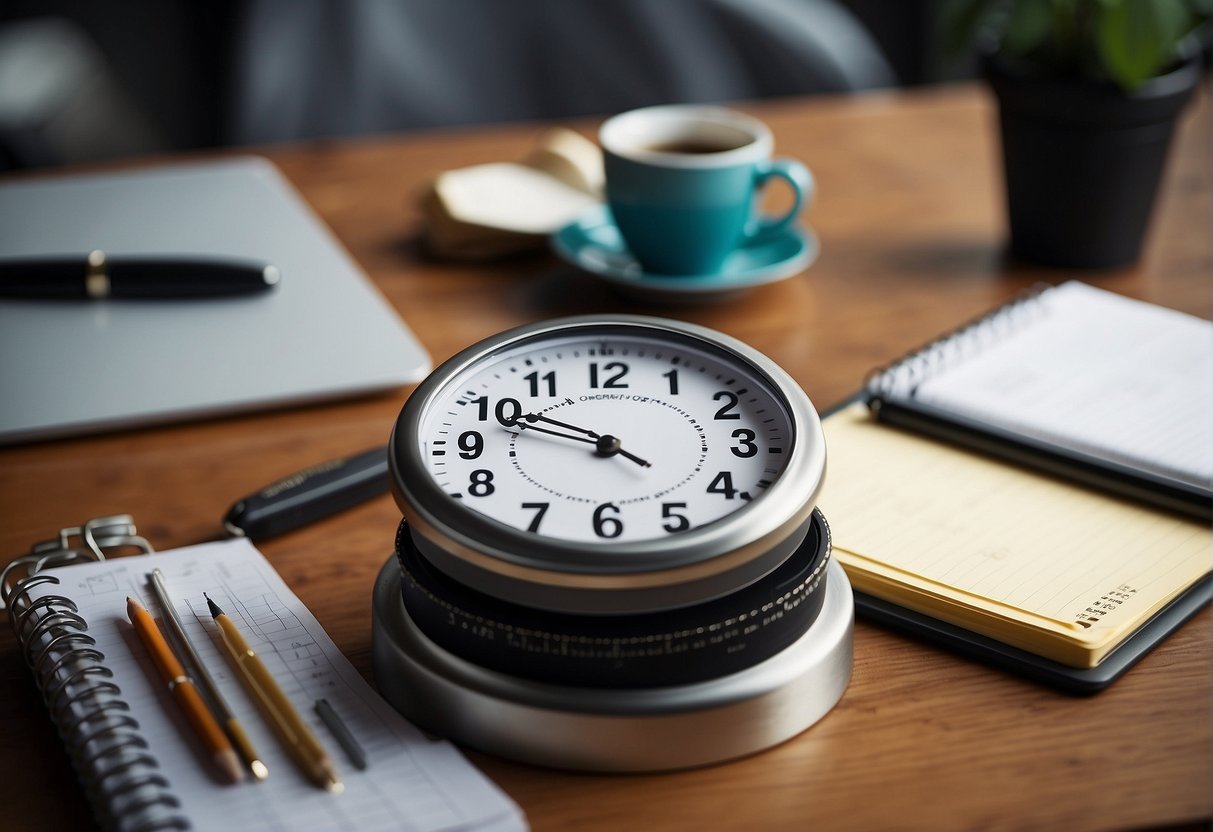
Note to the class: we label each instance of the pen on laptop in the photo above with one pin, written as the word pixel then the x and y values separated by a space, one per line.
pixel 231 725
pixel 96 275
pixel 290 727
pixel 182 689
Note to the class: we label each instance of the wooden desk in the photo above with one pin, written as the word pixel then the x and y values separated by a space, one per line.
pixel 910 217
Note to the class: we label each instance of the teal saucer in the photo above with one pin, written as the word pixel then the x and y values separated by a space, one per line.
pixel 593 243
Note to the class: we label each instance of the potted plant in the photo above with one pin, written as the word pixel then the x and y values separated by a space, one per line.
pixel 1088 94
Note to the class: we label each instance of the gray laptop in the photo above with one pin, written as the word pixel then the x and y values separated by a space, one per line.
pixel 74 367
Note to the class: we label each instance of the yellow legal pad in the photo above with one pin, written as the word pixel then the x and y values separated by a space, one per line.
pixel 1037 563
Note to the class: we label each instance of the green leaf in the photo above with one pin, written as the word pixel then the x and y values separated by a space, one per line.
pixel 1136 39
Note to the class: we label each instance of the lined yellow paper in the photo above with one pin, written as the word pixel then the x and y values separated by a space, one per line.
pixel 1053 568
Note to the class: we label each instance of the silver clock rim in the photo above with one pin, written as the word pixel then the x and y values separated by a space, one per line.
pixel 714 558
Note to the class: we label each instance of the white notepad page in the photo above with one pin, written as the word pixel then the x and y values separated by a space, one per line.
pixel 411 782
pixel 1096 371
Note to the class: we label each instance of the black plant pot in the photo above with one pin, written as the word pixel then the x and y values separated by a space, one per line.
pixel 1082 162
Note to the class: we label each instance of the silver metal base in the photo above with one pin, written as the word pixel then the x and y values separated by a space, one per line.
pixel 597 729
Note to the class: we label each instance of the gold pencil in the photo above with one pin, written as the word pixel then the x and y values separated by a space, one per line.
pixel 182 689
pixel 290 727
pixel 235 731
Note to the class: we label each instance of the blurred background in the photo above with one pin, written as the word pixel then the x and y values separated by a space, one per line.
pixel 83 81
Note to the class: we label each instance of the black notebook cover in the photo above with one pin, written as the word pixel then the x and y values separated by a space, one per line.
pixel 893 392
pixel 1075 680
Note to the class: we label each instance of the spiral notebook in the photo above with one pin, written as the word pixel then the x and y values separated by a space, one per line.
pixel 138 762
pixel 1032 489
pixel 1077 381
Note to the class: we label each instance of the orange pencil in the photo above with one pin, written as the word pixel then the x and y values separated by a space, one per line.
pixel 184 693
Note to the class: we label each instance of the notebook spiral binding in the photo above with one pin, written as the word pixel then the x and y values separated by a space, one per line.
pixel 122 779
pixel 903 376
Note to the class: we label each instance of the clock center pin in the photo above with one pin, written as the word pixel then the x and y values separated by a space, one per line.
pixel 608 445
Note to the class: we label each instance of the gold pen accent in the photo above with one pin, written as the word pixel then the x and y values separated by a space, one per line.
pixel 223 713
pixel 275 706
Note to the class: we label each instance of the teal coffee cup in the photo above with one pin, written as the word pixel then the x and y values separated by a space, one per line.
pixel 683 181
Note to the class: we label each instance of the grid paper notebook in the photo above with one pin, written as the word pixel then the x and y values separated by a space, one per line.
pixel 144 769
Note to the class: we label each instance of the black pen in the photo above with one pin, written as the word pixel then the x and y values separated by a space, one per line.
pixel 309 495
pixel 95 276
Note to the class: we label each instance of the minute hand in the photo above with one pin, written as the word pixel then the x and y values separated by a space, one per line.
pixel 604 444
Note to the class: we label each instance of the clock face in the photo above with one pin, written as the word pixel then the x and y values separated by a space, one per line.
pixel 605 436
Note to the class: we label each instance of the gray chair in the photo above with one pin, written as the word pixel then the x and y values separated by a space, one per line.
pixel 329 67
pixel 153 75
pixel 60 101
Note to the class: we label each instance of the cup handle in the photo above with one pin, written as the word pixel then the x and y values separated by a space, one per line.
pixel 803 186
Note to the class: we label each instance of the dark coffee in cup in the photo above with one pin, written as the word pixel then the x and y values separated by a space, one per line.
pixel 692 145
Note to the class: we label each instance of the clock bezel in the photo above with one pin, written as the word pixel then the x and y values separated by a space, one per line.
pixel 686 567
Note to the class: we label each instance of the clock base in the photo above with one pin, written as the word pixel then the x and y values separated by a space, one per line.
pixel 678 645
pixel 611 730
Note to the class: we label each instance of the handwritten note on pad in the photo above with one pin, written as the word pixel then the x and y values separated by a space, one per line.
pixel 411 782
pixel 1034 562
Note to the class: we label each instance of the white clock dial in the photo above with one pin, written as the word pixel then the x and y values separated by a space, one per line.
pixel 607 464
pixel 605 437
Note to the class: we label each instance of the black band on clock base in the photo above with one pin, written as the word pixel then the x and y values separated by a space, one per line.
pixel 642 650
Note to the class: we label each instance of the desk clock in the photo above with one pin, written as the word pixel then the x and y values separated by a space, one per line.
pixel 610 539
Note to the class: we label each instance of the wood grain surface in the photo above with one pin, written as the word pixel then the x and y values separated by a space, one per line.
pixel 910 218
